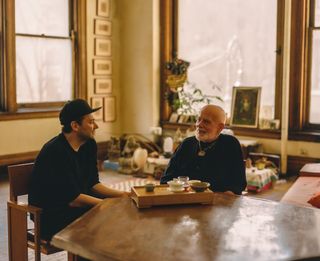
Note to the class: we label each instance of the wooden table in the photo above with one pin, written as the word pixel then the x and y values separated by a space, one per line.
pixel 233 228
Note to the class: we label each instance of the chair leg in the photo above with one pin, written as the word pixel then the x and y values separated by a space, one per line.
pixel 17 236
pixel 37 240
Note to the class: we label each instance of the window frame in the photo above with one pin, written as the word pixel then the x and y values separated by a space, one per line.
pixel 169 44
pixel 300 73
pixel 10 110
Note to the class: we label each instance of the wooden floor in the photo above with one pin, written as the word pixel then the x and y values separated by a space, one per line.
pixel 275 194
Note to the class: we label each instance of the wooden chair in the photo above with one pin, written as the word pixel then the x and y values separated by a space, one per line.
pixel 20 237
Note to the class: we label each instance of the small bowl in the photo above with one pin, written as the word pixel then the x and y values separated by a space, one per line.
pixel 149 187
pixel 200 186
pixel 175 185
pixel 193 181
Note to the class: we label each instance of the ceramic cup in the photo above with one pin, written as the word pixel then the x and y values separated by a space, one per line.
pixel 149 187
pixel 175 185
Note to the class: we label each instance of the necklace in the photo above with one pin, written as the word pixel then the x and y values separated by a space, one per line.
pixel 202 151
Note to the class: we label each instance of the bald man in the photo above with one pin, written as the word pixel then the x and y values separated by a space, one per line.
pixel 209 155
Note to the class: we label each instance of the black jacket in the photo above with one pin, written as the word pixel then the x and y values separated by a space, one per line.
pixel 222 166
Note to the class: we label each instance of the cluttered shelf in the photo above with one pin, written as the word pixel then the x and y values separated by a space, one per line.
pixel 252 132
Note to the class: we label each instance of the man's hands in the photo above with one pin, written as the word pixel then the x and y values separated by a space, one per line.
pixel 84 200
pixel 107 192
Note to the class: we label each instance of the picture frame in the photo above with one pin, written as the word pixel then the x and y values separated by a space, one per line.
pixel 183 118
pixel 102 86
pixel 103 8
pixel 95 103
pixel 245 107
pixel 102 47
pixel 102 67
pixel 109 108
pixel 174 117
pixel 102 27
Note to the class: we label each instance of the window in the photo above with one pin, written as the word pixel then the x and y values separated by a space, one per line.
pixel 304 113
pixel 227 45
pixel 43 43
pixel 43 51
pixel 314 56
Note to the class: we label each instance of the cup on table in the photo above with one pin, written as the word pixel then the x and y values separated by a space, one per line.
pixel 184 179
pixel 175 185
pixel 149 187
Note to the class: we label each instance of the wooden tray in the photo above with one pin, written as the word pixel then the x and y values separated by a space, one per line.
pixel 163 196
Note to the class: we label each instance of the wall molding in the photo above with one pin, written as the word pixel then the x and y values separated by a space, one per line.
pixel 294 164
pixel 17 158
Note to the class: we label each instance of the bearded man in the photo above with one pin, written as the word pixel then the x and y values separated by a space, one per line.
pixel 210 156
pixel 65 181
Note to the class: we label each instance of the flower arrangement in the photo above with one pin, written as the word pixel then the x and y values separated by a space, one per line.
pixel 184 97
pixel 178 73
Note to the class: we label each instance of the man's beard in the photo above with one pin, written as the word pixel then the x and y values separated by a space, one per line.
pixel 85 137
pixel 205 137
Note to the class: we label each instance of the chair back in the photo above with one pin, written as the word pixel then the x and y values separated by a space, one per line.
pixel 20 237
pixel 19 179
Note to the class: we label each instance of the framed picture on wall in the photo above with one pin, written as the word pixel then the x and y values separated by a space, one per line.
pixel 102 67
pixel 95 103
pixel 245 106
pixel 102 27
pixel 102 47
pixel 103 86
pixel 103 8
pixel 109 108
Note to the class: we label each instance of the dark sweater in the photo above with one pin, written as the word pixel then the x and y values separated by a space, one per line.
pixel 60 174
pixel 222 166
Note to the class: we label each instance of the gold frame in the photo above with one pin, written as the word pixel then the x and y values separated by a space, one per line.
pixel 109 109
pixel 245 107
pixel 102 27
pixel 102 47
pixel 103 86
pixel 102 67
pixel 103 8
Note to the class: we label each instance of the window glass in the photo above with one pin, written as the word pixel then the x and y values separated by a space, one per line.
pixel 315 79
pixel 43 70
pixel 49 17
pixel 230 43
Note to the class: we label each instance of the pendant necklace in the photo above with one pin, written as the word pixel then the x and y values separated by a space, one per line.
pixel 202 151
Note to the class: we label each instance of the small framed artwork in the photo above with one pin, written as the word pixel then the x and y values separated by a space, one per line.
pixel 109 108
pixel 183 118
pixel 102 67
pixel 174 117
pixel 245 106
pixel 102 27
pixel 95 103
pixel 103 86
pixel 102 47
pixel 103 8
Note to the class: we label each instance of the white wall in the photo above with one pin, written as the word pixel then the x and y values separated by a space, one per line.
pixel 26 135
pixel 138 29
